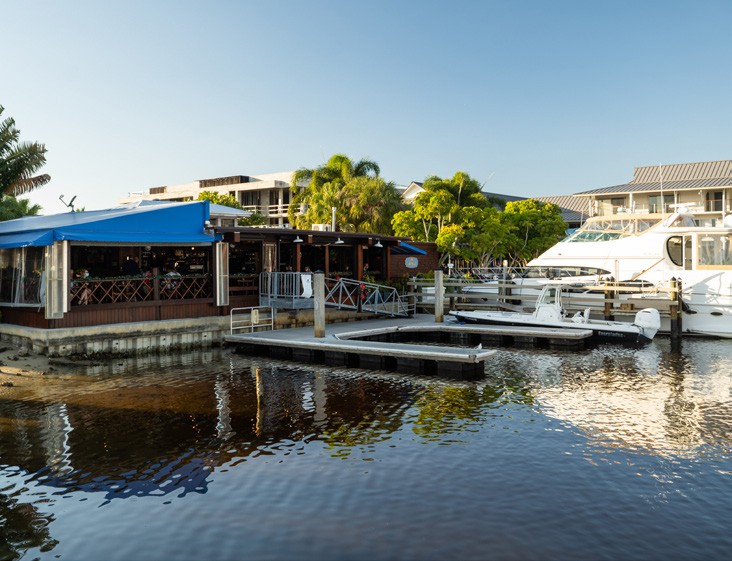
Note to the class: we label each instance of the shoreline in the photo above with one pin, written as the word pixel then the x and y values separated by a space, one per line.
pixel 17 366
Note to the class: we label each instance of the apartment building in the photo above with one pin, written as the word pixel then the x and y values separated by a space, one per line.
pixel 706 187
pixel 266 194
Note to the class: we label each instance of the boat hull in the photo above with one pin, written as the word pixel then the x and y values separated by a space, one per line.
pixel 616 332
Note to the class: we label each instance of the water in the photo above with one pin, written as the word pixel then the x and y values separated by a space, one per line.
pixel 609 453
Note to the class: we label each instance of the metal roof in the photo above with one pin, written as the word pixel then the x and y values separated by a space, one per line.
pixel 672 177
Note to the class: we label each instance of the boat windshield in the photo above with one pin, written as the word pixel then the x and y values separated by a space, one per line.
pixel 611 228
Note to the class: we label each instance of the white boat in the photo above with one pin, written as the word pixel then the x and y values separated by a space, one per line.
pixel 549 312
pixel 636 248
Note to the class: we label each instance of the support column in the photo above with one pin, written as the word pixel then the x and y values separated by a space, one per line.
pixel 319 310
pixel 439 297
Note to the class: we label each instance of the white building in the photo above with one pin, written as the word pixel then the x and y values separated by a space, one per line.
pixel 266 194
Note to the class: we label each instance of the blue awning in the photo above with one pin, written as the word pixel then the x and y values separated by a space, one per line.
pixel 182 223
pixel 41 237
pixel 405 249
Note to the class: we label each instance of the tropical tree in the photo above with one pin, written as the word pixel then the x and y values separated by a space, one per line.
pixel 535 226
pixel 316 191
pixel 19 161
pixel 368 204
pixel 11 208
pixel 440 204
pixel 219 199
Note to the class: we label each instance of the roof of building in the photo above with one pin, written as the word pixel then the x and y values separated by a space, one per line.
pixel 164 223
pixel 215 210
pixel 672 177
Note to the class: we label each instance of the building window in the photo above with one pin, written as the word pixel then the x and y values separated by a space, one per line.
pixel 714 201
pixel 656 206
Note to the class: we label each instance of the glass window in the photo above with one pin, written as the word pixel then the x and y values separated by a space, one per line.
pixel 674 247
pixel 655 205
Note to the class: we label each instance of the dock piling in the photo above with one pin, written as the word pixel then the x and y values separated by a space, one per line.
pixel 319 310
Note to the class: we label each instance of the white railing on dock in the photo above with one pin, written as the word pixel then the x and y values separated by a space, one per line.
pixel 367 297
pixel 252 318
pixel 294 291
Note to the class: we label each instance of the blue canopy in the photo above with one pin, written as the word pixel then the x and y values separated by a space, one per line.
pixel 166 223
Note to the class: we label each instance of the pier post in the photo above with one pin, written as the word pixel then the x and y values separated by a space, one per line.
pixel 439 297
pixel 319 310
pixel 675 311
pixel 609 303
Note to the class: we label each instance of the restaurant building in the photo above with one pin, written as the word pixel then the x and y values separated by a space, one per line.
pixel 166 261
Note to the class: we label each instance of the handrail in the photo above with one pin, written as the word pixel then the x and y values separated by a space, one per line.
pixel 366 297
pixel 253 321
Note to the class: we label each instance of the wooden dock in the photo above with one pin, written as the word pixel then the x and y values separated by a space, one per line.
pixel 388 344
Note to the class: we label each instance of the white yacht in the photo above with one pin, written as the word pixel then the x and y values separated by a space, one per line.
pixel 650 249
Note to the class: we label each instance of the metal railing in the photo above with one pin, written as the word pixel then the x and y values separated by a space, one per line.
pixel 295 291
pixel 252 318
pixel 366 297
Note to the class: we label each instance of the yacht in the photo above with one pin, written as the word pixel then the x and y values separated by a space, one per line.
pixel 636 248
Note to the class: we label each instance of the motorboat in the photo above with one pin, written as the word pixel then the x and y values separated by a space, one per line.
pixel 654 250
pixel 549 312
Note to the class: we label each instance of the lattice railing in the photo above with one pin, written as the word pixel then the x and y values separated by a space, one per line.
pixel 139 289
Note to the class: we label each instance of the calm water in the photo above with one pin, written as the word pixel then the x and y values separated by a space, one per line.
pixel 610 453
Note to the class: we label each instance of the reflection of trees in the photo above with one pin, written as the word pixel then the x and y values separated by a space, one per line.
pixel 361 412
pixel 23 528
pixel 450 408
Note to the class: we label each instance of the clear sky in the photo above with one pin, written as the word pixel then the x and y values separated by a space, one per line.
pixel 533 98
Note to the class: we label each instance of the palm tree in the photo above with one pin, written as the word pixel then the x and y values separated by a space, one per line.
pixel 11 208
pixel 19 161
pixel 320 188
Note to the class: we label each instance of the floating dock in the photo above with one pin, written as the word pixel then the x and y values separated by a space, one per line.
pixel 389 344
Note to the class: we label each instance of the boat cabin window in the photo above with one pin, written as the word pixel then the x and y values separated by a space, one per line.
pixel 611 228
pixel 674 248
pixel 683 221
pixel 714 250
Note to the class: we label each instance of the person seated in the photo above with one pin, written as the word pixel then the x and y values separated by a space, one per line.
pixel 171 279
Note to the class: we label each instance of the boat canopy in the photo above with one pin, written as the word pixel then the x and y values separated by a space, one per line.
pixel 164 223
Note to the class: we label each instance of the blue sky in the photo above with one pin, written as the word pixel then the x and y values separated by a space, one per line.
pixel 530 97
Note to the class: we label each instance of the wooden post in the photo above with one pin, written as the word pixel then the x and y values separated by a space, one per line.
pixel 675 310
pixel 439 297
pixel 319 310
pixel 608 311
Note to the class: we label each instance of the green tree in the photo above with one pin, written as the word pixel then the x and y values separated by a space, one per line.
pixel 255 219
pixel 219 199
pixel 440 204
pixel 368 204
pixel 535 226
pixel 19 161
pixel 316 191
pixel 11 208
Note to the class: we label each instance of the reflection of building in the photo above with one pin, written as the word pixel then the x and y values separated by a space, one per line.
pixel 153 434
pixel 266 194
pixel 624 403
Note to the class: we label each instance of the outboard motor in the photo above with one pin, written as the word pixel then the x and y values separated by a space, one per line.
pixel 649 322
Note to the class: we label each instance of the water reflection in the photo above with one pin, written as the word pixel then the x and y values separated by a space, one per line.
pixel 163 426
pixel 652 399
